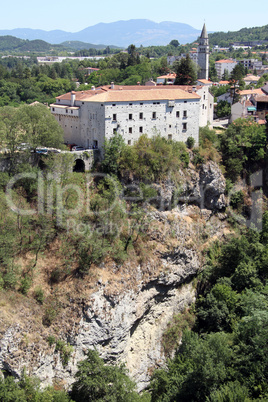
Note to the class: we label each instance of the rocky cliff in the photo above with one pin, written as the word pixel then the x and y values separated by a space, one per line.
pixel 121 310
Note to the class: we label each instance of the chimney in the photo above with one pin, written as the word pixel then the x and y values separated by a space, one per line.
pixel 72 98
pixel 112 85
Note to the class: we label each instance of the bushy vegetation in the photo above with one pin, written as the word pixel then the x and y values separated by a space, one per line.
pixel 153 159
pixel 225 357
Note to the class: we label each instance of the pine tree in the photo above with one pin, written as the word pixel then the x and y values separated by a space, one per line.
pixel 186 74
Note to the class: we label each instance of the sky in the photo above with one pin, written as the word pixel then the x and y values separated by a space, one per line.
pixel 72 16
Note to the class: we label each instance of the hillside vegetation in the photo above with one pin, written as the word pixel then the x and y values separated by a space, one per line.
pixel 243 35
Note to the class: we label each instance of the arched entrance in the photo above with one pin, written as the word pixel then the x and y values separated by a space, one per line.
pixel 79 166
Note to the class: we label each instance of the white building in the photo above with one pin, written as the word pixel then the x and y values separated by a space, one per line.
pixel 224 65
pixel 166 79
pixel 88 117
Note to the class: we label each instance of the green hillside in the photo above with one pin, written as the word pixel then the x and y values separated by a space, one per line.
pixel 243 35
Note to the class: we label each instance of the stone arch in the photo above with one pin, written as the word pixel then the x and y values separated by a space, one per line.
pixel 79 166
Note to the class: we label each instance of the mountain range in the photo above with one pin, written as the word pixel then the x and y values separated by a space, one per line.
pixel 120 33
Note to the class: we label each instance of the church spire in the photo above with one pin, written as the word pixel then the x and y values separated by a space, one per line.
pixel 203 54
pixel 204 34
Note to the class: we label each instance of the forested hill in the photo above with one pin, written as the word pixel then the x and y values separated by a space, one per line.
pixel 243 35
pixel 10 43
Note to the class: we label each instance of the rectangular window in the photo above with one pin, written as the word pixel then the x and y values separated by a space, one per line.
pixel 141 116
pixel 170 136
pixel 114 117
pixel 113 104
pixel 130 116
pixel 177 114
pixel 114 130
pixel 141 129
pixel 66 111
pixel 130 130
pixel 154 115
pixel 129 142
pixel 185 113
pixel 184 126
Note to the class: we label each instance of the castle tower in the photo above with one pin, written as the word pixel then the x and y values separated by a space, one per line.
pixel 203 54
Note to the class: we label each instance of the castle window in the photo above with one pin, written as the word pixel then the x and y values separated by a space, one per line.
pixel 114 117
pixel 177 114
pixel 129 142
pixel 141 129
pixel 154 115
pixel 130 130
pixel 185 113
pixel 141 116
pixel 184 126
pixel 130 116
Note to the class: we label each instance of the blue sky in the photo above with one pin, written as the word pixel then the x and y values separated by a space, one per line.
pixel 73 16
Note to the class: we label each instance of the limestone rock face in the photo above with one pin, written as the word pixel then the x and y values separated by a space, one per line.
pixel 129 327
pixel 123 327
pixel 204 188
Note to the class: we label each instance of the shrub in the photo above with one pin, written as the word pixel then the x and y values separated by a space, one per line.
pixel 39 295
pixel 190 142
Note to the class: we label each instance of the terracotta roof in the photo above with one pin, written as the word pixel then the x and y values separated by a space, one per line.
pixel 257 91
pixel 224 82
pixel 251 77
pixel 133 93
pixel 168 76
pixel 205 81
pixel 142 95
pixel 225 61
pixel 262 98
pixel 261 121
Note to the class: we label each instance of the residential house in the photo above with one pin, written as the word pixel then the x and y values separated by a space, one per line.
pixel 252 103
pixel 166 79
pixel 251 79
pixel 224 65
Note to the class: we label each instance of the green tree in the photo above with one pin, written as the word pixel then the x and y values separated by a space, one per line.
pixel 223 109
pixel 243 144
pixel 97 381
pixel 174 43
pixel 40 127
pixel 113 148
pixel 186 73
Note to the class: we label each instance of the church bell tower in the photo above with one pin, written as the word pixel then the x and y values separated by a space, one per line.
pixel 203 54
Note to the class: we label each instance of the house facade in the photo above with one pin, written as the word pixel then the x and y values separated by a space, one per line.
pixel 166 79
pixel 222 65
pixel 90 117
